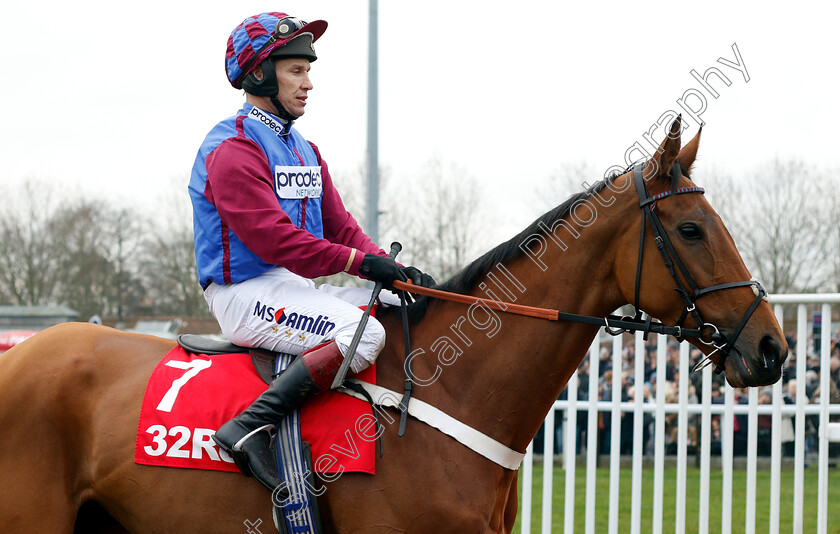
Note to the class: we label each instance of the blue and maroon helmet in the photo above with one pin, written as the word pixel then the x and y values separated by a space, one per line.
pixel 264 37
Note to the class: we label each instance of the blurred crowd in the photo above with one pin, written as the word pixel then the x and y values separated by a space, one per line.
pixel 669 379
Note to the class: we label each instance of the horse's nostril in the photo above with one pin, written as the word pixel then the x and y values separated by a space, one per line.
pixel 770 351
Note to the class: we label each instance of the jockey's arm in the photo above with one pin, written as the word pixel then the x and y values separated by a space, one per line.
pixel 339 225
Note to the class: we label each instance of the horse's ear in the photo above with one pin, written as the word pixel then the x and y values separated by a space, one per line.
pixel 659 166
pixel 689 153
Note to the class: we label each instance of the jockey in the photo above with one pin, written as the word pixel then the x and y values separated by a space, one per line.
pixel 267 219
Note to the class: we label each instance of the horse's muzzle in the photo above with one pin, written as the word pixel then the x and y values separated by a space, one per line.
pixel 759 367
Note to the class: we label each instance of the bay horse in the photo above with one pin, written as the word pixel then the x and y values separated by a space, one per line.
pixel 70 396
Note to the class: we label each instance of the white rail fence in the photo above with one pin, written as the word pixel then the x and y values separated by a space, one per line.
pixel 658 408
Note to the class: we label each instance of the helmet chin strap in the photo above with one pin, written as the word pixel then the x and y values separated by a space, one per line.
pixel 266 85
pixel 281 111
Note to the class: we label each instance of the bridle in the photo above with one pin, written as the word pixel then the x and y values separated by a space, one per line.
pixel 707 333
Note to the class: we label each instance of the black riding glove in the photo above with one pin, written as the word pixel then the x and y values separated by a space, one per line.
pixel 381 269
pixel 418 277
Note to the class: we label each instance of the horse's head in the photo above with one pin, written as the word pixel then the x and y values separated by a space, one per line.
pixel 690 272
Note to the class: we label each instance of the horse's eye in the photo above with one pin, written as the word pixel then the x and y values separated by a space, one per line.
pixel 690 231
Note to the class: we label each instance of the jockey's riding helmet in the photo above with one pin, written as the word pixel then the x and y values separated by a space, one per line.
pixel 262 38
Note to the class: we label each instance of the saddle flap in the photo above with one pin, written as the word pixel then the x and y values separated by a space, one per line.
pixel 263 361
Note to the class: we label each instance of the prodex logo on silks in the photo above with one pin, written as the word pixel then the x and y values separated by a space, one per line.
pixel 277 127
pixel 297 182
pixel 320 325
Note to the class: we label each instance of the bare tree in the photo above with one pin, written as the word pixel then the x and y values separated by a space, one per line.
pixel 96 258
pixel 96 249
pixel 29 273
pixel 833 229
pixel 126 239
pixel 82 262
pixel 170 271
pixel 437 218
pixel 568 179
pixel 776 218
pixel 168 264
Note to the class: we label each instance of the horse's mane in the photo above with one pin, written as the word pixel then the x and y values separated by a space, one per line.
pixel 466 278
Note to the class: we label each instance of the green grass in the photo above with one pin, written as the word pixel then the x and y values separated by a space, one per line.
pixel 739 484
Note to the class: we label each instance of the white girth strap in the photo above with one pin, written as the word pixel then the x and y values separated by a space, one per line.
pixel 422 411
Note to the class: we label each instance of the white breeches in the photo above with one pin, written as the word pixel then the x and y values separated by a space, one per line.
pixel 281 311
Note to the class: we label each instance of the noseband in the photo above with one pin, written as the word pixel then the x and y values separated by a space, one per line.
pixel 707 333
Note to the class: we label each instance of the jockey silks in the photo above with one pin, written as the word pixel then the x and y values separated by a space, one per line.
pixel 295 166
pixel 248 166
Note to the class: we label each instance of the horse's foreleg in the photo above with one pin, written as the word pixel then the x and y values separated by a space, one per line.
pixel 35 495
pixel 512 506
pixel 38 482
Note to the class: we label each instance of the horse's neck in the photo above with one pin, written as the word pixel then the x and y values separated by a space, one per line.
pixel 499 372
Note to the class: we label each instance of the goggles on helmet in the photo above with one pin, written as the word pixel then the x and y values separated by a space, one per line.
pixel 286 27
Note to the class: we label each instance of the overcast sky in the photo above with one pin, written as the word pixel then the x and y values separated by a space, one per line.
pixel 116 97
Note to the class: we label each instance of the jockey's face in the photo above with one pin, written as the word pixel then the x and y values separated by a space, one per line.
pixel 293 79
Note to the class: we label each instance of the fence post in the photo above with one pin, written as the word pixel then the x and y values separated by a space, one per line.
pixel 825 393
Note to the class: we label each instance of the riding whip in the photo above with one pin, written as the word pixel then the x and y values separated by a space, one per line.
pixel 351 351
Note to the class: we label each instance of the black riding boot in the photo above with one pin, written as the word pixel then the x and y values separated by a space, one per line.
pixel 247 437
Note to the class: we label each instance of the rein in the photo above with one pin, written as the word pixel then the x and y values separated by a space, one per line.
pixel 614 323
pixel 518 309
pixel 707 333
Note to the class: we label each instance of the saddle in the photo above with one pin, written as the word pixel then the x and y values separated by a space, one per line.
pixel 262 359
